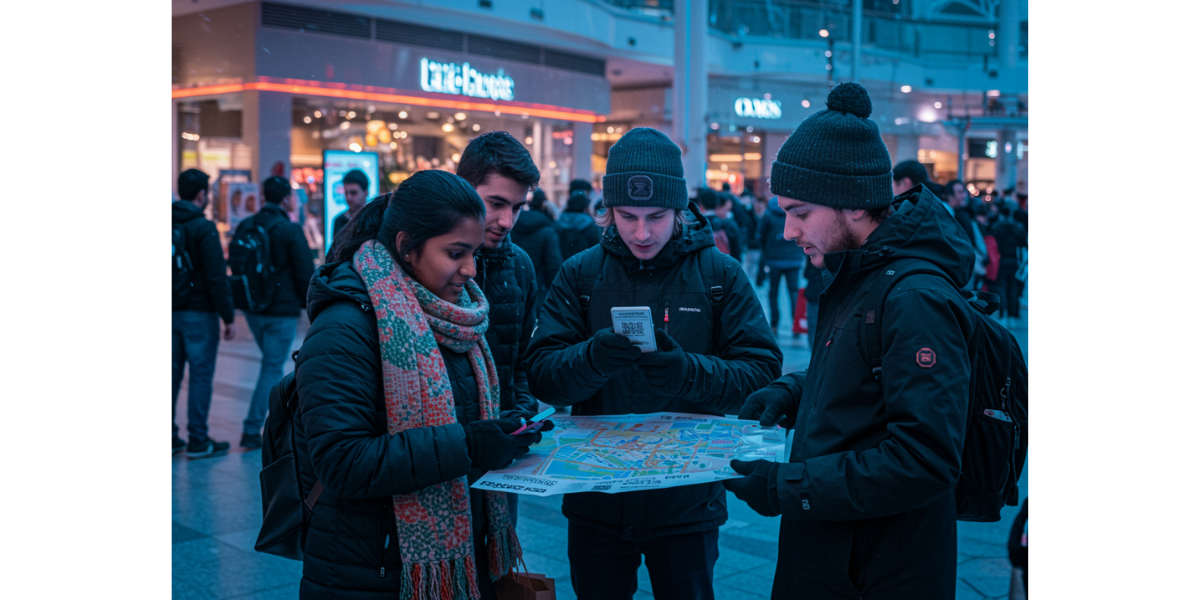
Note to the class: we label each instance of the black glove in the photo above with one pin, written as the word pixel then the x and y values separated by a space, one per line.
pixel 491 445
pixel 667 371
pixel 612 353
pixel 770 405
pixel 757 488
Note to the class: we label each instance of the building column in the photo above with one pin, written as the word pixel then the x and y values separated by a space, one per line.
pixel 581 147
pixel 1006 159
pixel 690 100
pixel 267 129
pixel 907 147
pixel 175 157
pixel 1010 34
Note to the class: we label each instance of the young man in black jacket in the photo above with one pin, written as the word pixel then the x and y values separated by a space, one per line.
pixel 867 496
pixel 652 254
pixel 274 327
pixel 194 330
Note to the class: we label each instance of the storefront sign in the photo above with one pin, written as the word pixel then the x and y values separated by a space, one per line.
pixel 463 80
pixel 761 108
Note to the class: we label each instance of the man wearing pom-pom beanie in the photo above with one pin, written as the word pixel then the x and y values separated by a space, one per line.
pixel 867 496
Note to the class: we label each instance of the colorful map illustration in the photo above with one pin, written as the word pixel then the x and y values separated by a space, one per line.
pixel 635 452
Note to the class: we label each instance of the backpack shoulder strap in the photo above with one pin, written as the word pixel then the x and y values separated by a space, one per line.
pixel 715 278
pixel 590 267
pixel 884 280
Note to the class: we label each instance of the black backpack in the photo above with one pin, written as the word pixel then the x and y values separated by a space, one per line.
pixel 286 508
pixel 254 280
pixel 995 449
pixel 181 268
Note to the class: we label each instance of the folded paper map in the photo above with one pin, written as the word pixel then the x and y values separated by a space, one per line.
pixel 622 453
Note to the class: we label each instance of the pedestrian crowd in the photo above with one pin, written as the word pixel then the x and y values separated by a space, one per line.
pixel 449 307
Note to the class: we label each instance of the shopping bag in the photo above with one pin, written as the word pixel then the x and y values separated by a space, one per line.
pixel 524 586
pixel 800 315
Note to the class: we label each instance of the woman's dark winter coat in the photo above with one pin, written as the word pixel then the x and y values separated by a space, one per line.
pixel 868 494
pixel 727 361
pixel 342 440
pixel 576 232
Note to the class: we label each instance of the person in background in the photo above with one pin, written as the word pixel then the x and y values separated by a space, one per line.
pixel 1011 242
pixel 399 406
pixel 354 190
pixel 312 228
pixel 782 258
pixel 954 194
pixel 274 327
pixel 577 231
pixel 536 235
pixel 909 174
pixel 195 314
pixel 726 233
pixel 656 251
pixel 502 172
pixel 867 495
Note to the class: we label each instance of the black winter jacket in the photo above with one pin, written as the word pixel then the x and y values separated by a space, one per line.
pixel 342 440
pixel 867 497
pixel 506 276
pixel 728 361
pixel 210 282
pixel 576 232
pixel 777 252
pixel 732 231
pixel 291 257
pixel 534 233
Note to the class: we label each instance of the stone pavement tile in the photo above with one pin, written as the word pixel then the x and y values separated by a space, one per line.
pixel 762 549
pixel 207 568
pixel 752 583
pixel 972 547
pixel 728 592
pixel 242 540
pixel 179 533
pixel 730 561
pixel 965 591
pixel 289 591
pixel 215 512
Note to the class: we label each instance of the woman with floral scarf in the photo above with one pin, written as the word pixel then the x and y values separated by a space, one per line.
pixel 399 408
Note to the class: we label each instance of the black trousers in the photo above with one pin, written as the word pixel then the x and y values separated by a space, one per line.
pixel 604 567
pixel 1009 290
pixel 793 286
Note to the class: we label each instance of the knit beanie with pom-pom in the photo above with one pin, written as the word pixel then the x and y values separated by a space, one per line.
pixel 836 157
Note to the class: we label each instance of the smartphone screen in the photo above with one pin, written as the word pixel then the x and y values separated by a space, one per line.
pixel 634 323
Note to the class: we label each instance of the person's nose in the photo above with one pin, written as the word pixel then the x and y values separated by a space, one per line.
pixel 468 269
pixel 506 219
pixel 642 233
pixel 791 229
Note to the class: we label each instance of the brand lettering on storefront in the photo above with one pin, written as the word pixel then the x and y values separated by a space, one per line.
pixel 760 108
pixel 464 80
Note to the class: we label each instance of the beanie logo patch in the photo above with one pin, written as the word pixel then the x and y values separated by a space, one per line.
pixel 641 188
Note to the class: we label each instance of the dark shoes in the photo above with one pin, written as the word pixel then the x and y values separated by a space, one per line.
pixel 177 445
pixel 251 441
pixel 206 448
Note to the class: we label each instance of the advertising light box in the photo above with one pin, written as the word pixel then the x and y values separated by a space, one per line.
pixel 337 163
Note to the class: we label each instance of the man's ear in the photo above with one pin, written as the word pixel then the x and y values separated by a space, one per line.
pixel 856 215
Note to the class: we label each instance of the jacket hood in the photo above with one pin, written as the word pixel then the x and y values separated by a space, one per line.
pixel 332 283
pixel 920 228
pixel 696 236
pixel 574 221
pixel 183 211
pixel 532 221
pixel 773 207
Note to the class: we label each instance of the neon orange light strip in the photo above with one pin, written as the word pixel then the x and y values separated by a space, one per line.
pixel 316 88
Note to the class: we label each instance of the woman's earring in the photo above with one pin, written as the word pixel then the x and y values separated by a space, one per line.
pixel 405 257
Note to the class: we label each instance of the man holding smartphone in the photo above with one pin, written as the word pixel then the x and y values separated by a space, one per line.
pixel 657 251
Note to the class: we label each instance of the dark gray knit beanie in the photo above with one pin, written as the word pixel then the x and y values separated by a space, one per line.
pixel 645 168
pixel 836 157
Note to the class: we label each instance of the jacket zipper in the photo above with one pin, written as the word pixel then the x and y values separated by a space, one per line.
pixel 387 536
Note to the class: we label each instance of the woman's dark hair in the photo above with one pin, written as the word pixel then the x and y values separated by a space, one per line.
pixel 426 205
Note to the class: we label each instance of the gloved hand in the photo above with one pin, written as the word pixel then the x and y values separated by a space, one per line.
pixel 757 488
pixel 771 405
pixel 491 445
pixel 668 370
pixel 612 353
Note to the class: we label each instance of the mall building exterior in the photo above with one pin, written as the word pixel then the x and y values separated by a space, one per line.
pixel 266 87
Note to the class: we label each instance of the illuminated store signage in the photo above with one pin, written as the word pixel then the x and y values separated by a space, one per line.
pixel 760 108
pixel 464 80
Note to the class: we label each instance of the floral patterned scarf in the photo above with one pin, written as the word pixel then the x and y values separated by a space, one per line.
pixel 433 525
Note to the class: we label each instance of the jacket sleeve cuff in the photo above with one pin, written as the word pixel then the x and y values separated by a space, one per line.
pixel 450 448
pixel 790 491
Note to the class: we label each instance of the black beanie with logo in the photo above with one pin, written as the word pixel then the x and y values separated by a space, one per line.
pixel 836 157
pixel 645 168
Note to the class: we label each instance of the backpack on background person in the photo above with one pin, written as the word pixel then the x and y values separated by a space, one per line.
pixel 254 279
pixel 722 241
pixel 181 268
pixel 997 436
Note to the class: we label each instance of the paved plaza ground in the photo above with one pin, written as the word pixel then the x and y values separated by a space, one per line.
pixel 217 510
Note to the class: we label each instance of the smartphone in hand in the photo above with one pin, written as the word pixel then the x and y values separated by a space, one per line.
pixel 634 322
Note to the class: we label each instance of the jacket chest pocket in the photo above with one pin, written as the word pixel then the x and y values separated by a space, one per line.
pixel 689 321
